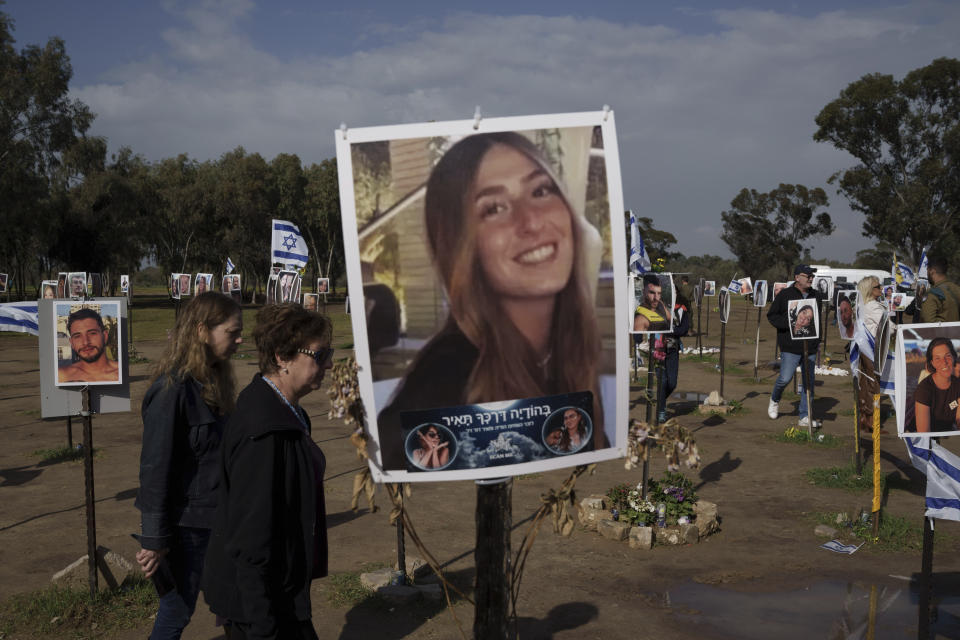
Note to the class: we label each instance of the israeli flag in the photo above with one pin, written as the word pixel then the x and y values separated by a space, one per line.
pixel 922 269
pixel 288 246
pixel 734 286
pixel 639 260
pixel 862 342
pixel 22 317
pixel 942 469
pixel 901 273
pixel 230 266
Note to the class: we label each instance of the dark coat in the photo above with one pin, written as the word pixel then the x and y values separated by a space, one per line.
pixel 261 556
pixel 179 460
pixel 778 316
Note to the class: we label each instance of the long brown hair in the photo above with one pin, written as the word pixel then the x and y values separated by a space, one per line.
pixel 188 355
pixel 508 366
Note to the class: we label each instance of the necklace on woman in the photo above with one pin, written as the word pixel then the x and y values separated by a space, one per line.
pixel 287 402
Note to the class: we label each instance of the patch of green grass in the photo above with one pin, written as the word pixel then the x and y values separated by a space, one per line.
pixel 28 412
pixel 844 477
pixel 847 413
pixel 799 435
pixel 896 533
pixel 730 368
pixel 345 589
pixel 790 396
pixel 69 613
pixel 61 454
pixel 345 345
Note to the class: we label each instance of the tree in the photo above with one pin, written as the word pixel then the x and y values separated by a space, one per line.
pixel 39 123
pixel 322 222
pixel 906 136
pixel 768 229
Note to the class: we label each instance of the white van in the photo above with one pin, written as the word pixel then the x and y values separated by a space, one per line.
pixel 851 276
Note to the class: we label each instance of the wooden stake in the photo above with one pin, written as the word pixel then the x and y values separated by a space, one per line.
pixel 857 448
pixel 926 580
pixel 723 338
pixel 492 556
pixel 877 494
pixel 756 350
pixel 88 492
pixel 807 390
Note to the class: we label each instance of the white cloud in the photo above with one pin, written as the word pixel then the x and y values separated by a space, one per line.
pixel 699 116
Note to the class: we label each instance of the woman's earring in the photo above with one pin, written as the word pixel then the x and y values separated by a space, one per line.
pixel 286 370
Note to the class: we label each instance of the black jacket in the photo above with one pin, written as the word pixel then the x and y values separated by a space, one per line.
pixel 778 317
pixel 261 556
pixel 179 460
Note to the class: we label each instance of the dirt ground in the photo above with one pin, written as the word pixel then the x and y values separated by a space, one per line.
pixel 577 587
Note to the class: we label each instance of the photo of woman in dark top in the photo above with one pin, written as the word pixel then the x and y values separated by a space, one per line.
pixel 508 248
pixel 937 397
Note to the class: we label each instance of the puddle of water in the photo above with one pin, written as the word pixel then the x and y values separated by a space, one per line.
pixel 829 610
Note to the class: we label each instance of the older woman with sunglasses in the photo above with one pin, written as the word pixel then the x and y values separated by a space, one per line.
pixel 269 537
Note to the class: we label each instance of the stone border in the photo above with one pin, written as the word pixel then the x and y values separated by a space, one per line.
pixel 594 515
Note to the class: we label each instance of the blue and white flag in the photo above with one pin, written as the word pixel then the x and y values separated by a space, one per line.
pixel 19 316
pixel 288 246
pixel 901 273
pixel 639 260
pixel 942 469
pixel 734 286
pixel 922 269
pixel 863 342
pixel 230 266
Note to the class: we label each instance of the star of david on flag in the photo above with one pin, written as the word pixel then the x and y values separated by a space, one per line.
pixel 288 246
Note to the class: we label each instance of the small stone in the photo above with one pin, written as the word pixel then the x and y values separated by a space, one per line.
pixel 590 517
pixel 613 529
pixel 689 533
pixel 112 569
pixel 714 399
pixel 399 594
pixel 416 566
pixel 641 537
pixel 707 517
pixel 825 531
pixel 374 580
pixel 668 535
pixel 594 502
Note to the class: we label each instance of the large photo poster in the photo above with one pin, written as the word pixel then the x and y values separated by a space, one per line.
pixel 652 308
pixel 87 343
pixel 490 279
pixel 928 379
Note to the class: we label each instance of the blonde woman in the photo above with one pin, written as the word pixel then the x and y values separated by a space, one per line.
pixel 511 254
pixel 871 311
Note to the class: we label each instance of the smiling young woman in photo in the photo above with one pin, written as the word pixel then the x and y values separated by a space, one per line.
pixel 509 249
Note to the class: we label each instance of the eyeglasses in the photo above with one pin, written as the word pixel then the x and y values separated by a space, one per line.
pixel 320 357
pixel 433 434
pixel 876 286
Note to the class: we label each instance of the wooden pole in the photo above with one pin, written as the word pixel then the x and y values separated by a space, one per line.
pixel 492 556
pixel 872 612
pixel 723 340
pixel 708 322
pixel 699 330
pixel 660 407
pixel 650 380
pixel 877 494
pixel 88 492
pixel 70 431
pixel 756 350
pixel 823 330
pixel 401 543
pixel 807 390
pixel 857 448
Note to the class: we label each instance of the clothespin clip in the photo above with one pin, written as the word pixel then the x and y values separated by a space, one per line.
pixel 476 118
pixel 343 130
pixel 606 112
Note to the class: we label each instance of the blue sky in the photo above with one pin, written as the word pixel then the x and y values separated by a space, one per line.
pixel 710 97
